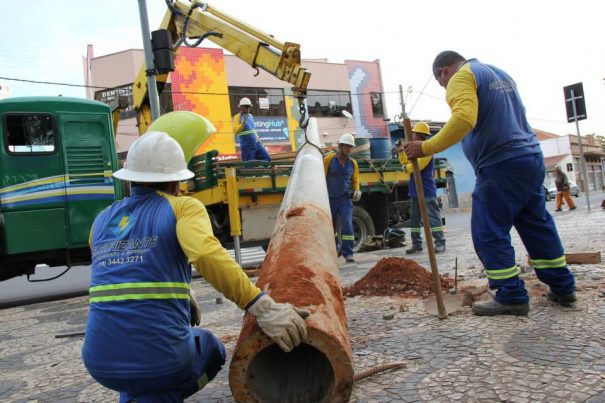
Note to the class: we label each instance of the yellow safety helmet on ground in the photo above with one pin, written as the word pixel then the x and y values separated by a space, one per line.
pixel 348 139
pixel 154 157
pixel 422 128
pixel 189 129
pixel 245 101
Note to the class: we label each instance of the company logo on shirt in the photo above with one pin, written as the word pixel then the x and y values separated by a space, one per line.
pixel 122 224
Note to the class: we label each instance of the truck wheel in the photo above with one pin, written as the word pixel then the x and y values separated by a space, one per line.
pixel 363 226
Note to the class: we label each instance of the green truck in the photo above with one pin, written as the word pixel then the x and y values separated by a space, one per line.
pixel 56 165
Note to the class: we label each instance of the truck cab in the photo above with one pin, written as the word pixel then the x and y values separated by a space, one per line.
pixel 57 156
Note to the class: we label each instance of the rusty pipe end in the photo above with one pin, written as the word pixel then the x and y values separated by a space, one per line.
pixel 318 370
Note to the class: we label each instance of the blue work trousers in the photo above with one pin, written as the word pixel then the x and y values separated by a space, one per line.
pixel 208 359
pixel 254 151
pixel 432 208
pixel 342 214
pixel 510 194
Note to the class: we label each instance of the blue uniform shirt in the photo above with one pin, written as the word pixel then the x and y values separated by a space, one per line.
pixel 138 323
pixel 502 131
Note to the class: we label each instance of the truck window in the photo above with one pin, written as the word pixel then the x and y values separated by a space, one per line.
pixel 29 133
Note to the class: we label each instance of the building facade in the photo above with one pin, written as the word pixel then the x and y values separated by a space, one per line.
pixel 211 83
pixel 564 151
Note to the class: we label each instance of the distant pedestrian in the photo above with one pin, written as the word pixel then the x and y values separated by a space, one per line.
pixel 421 132
pixel 489 118
pixel 342 177
pixel 562 184
pixel 250 146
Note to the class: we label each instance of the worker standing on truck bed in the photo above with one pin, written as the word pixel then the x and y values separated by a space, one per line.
pixel 138 337
pixel 422 132
pixel 342 177
pixel 489 118
pixel 250 146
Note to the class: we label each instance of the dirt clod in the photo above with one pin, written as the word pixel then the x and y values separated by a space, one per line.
pixel 396 276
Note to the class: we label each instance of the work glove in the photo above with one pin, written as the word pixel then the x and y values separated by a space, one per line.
pixel 283 323
pixel 356 195
pixel 194 309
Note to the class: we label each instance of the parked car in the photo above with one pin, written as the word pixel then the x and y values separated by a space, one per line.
pixel 551 192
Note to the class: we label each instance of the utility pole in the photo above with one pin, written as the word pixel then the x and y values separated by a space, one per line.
pixel 402 102
pixel 152 88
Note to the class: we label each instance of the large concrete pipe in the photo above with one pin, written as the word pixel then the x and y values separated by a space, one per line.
pixel 301 267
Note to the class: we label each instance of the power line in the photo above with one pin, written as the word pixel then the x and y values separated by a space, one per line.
pixel 332 92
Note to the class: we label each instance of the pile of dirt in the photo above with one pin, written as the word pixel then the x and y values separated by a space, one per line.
pixel 396 276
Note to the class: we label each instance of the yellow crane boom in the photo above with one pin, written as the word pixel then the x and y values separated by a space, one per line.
pixel 258 49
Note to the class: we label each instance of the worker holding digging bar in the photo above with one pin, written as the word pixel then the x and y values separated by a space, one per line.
pixel 421 132
pixel 488 116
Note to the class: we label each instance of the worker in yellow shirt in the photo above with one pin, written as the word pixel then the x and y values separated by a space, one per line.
pixel 422 132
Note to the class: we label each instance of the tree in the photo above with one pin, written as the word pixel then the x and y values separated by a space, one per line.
pixel 601 140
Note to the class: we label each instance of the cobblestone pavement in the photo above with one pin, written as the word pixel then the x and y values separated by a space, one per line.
pixel 554 355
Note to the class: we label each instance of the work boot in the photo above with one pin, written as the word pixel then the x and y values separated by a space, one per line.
pixel 439 248
pixel 413 249
pixel 493 307
pixel 349 259
pixel 564 299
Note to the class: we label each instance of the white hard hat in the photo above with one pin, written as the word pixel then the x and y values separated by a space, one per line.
pixel 245 102
pixel 155 157
pixel 348 139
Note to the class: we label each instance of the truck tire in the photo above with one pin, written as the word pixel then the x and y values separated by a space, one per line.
pixel 363 226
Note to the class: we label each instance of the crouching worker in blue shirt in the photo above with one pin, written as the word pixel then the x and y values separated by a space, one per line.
pixel 139 341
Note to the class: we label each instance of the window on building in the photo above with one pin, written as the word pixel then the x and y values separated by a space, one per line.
pixel 29 133
pixel 569 167
pixel 265 101
pixel 377 110
pixel 328 103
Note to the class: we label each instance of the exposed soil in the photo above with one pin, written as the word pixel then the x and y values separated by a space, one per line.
pixel 396 276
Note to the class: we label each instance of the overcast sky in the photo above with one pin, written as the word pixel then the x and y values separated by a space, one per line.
pixel 543 45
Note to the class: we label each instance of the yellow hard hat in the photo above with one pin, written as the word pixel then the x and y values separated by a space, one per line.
pixel 422 128
pixel 189 129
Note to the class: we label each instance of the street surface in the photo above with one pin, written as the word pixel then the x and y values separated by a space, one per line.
pixel 555 354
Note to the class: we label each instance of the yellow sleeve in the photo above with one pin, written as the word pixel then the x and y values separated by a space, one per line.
pixel 355 176
pixel 206 254
pixel 238 127
pixel 409 168
pixel 461 96
pixel 327 160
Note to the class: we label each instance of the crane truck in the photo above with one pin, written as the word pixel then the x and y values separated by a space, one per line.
pixel 58 154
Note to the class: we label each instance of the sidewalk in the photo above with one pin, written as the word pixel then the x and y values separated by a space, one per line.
pixel 554 355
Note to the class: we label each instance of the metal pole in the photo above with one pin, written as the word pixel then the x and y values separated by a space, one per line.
pixel 582 160
pixel 154 101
